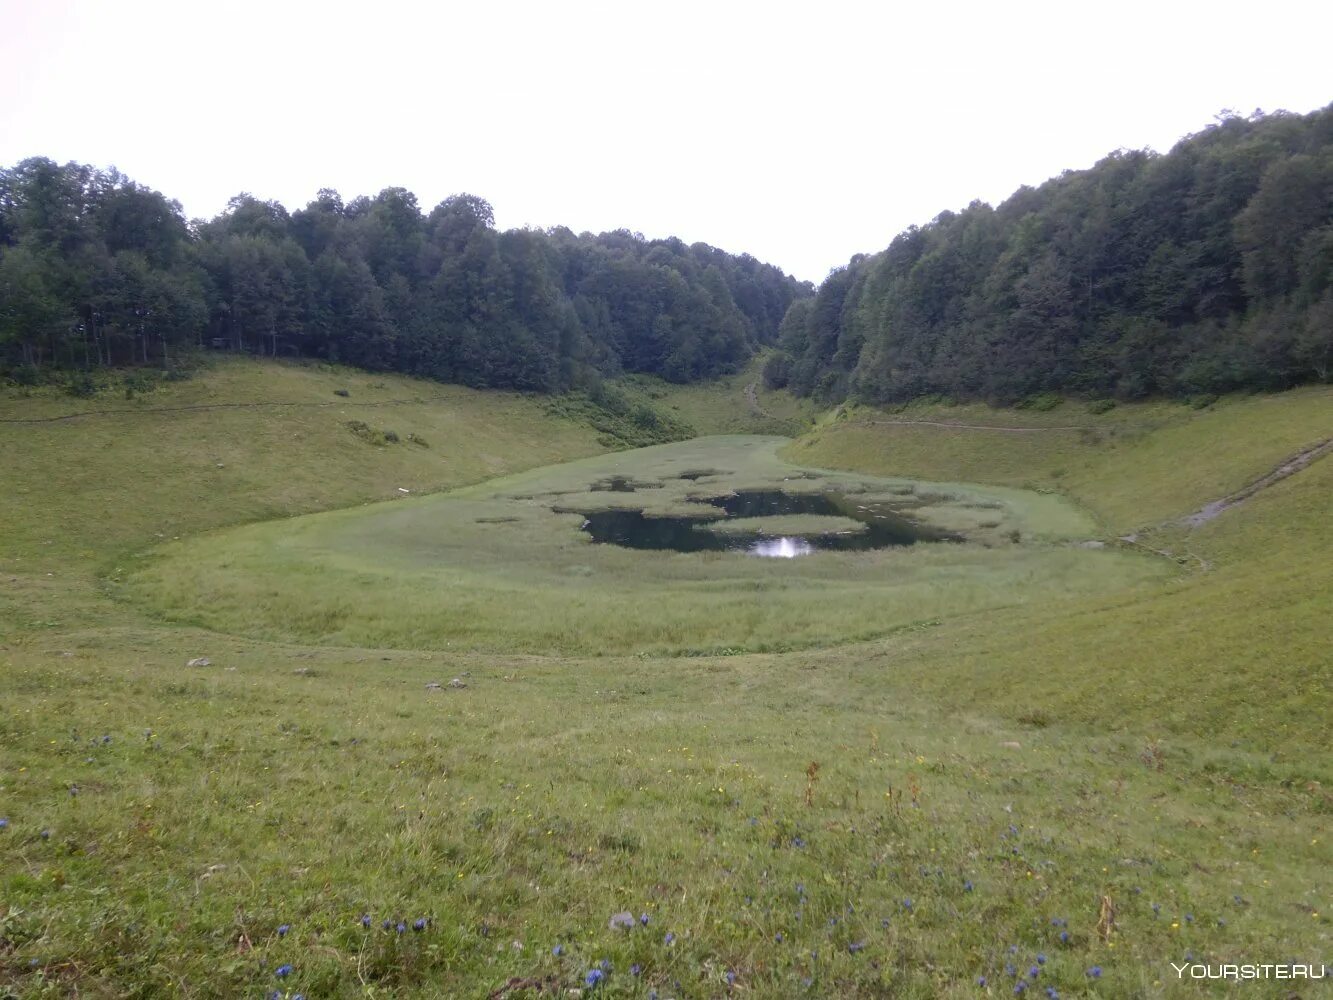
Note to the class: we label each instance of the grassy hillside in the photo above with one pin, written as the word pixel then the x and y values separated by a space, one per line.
pixel 1091 787
pixel 247 441
pixel 1134 465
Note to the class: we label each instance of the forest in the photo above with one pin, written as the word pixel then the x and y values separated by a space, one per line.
pixel 1203 270
pixel 98 271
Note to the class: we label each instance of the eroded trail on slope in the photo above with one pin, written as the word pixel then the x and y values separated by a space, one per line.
pixel 1288 468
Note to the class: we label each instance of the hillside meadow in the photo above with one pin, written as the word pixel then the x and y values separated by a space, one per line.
pixel 1122 764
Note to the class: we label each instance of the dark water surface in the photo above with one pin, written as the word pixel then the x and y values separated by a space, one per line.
pixel 883 526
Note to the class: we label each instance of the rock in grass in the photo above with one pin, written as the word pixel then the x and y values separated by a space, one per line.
pixel 434 686
pixel 457 683
pixel 199 661
pixel 622 921
pixel 1012 745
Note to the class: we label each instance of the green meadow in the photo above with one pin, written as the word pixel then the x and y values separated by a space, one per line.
pixel 442 738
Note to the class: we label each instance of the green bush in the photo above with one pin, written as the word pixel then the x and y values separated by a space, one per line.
pixel 81 384
pixel 1041 402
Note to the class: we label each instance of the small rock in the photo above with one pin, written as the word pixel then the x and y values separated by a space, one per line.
pixel 199 661
pixel 304 672
pixel 457 683
pixel 434 686
pixel 1012 745
pixel 517 946
pixel 622 921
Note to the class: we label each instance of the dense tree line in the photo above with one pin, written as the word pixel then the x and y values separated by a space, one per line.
pixel 96 270
pixel 1203 270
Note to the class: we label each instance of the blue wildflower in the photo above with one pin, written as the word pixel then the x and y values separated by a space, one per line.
pixel 1157 908
pixel 1034 972
pixel 884 923
pixel 981 980
pixel 907 904
pixel 1041 959
pixel 385 925
pixel 1013 949
pixel 797 842
pixel 967 886
pixel 558 950
pixel 643 919
pixel 1064 937
pixel 1095 972
pixel 299 996
pixel 365 920
pixel 1051 993
pixel 419 924
pixel 1189 918
pixel 731 978
pixel 1010 970
pixel 283 929
pixel 856 946
pixel 800 888
pixel 401 927
pixel 635 969
pixel 594 977
pixel 4 823
pixel 45 834
pixel 778 937
pixel 670 938
pixel 283 971
pixel 1020 987
pixel 604 965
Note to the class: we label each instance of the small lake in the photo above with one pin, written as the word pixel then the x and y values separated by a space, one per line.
pixel 882 526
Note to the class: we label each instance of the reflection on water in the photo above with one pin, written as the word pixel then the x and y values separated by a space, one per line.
pixel 883 526
pixel 781 548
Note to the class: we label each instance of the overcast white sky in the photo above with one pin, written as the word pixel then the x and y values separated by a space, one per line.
pixel 799 133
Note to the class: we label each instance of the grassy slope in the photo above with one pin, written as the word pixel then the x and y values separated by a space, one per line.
pixel 1241 649
pixel 1134 465
pixel 264 441
pixel 303 785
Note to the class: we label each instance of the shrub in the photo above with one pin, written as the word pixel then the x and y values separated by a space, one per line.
pixel 81 384
pixel 1101 406
pixel 1041 402
pixel 341 392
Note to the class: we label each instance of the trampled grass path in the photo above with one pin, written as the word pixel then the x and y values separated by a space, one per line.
pixel 140 411
pixel 1290 467
pixel 974 427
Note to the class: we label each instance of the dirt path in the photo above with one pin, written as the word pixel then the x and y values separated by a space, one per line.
pixel 975 427
pixel 134 411
pixel 752 400
pixel 1291 466
pixel 1211 510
